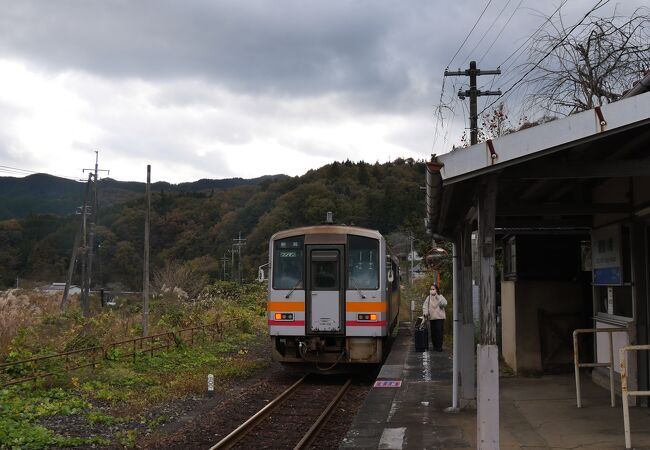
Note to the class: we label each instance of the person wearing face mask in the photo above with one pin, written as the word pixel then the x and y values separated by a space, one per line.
pixel 433 310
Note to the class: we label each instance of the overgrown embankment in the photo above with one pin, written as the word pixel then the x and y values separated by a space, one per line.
pixel 125 398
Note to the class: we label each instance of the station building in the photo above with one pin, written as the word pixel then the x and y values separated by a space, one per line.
pixel 560 217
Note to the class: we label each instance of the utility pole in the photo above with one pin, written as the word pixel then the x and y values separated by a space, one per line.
pixel 91 227
pixel 145 289
pixel 239 242
pixel 224 261
pixel 85 304
pixel 75 249
pixel 473 93
pixel 411 238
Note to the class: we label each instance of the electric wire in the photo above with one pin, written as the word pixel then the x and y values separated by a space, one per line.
pixel 470 33
pixel 532 36
pixel 480 40
pixel 25 172
pixel 599 4
pixel 501 31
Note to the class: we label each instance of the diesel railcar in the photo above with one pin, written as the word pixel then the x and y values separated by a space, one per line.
pixel 333 295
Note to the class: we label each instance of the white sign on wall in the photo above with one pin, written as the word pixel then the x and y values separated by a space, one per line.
pixel 606 255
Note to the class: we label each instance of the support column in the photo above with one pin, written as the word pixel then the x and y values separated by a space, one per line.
pixel 639 247
pixel 467 342
pixel 488 351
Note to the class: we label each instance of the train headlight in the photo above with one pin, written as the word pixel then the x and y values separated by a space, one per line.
pixel 283 316
pixel 367 317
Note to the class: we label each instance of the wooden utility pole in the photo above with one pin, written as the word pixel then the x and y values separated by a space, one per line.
pixel 145 288
pixel 473 93
pixel 239 242
pixel 75 249
pixel 90 249
pixel 224 260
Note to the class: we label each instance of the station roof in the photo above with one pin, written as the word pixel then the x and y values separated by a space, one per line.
pixel 547 174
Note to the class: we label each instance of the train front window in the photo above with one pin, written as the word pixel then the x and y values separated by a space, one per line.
pixel 363 263
pixel 324 270
pixel 288 264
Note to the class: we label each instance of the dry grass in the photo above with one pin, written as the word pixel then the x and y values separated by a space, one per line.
pixel 21 308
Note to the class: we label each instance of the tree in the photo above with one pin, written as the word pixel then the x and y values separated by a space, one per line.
pixel 579 67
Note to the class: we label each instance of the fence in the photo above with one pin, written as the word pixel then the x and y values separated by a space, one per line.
pixel 577 364
pixel 17 372
pixel 625 393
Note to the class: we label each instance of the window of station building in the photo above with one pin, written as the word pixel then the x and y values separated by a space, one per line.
pixel 363 263
pixel 288 263
pixel 617 300
pixel 510 258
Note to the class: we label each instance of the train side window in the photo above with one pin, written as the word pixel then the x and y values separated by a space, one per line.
pixel 288 263
pixel 363 263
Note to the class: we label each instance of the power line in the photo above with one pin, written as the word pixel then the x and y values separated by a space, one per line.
pixel 470 33
pixel 478 41
pixel 501 31
pixel 25 172
pixel 599 4
pixel 532 36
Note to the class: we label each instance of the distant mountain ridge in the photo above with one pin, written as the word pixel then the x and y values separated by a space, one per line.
pixel 194 224
pixel 47 194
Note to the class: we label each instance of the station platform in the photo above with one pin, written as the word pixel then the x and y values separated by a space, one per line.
pixel 535 413
pixel 410 416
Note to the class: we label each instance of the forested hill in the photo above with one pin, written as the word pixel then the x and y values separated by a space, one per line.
pixel 195 223
pixel 47 194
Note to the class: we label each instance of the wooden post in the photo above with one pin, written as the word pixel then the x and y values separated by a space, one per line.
pixel 145 278
pixel 488 351
pixel 468 344
pixel 71 266
pixel 91 244
pixel 85 303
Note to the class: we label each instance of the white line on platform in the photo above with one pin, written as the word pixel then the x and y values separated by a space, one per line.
pixel 392 438
pixel 426 366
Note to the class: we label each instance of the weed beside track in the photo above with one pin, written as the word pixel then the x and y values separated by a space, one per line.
pixel 122 400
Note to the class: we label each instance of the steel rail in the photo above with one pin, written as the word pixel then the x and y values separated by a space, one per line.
pixel 230 440
pixel 313 431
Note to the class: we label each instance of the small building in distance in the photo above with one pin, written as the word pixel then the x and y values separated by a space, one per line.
pixel 60 287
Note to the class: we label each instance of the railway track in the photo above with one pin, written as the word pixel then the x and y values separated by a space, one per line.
pixel 293 419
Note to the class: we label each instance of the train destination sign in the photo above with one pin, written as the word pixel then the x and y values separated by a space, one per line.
pixel 388 383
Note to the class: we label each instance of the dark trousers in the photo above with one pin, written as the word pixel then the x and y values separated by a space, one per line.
pixel 437 333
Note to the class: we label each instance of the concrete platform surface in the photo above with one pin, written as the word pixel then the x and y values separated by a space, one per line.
pixel 536 413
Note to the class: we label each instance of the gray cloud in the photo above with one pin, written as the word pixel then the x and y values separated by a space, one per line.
pixel 281 48
pixel 202 87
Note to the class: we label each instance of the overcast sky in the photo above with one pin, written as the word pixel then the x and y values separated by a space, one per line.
pixel 241 88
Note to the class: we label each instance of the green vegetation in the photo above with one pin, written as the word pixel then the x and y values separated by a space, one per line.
pixel 196 227
pixel 116 401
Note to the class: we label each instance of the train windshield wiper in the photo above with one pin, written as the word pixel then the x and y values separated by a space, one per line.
pixel 295 286
pixel 353 286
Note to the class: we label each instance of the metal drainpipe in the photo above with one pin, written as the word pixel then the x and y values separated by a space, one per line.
pixel 456 333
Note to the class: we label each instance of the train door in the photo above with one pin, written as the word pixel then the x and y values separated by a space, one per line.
pixel 325 289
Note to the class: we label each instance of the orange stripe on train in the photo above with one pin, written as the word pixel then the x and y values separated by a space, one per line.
pixel 349 306
pixel 365 307
pixel 285 306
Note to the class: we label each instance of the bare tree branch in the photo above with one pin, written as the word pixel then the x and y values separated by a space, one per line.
pixel 588 66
